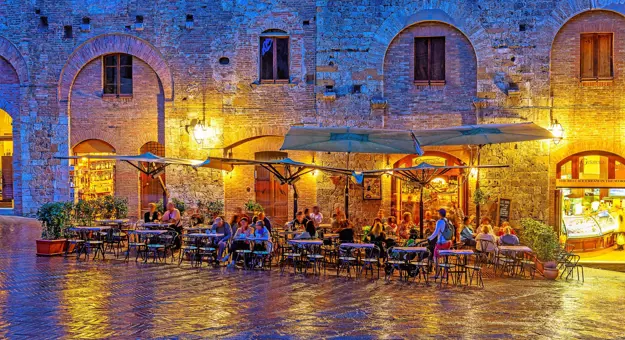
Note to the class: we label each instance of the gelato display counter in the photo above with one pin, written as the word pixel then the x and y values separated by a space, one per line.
pixel 590 232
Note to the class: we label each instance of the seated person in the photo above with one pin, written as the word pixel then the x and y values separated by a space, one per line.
pixel 262 217
pixel 334 224
pixel 466 234
pixel 263 237
pixel 486 234
pixel 346 233
pixel 412 239
pixel 172 215
pixel 501 231
pixel 305 225
pixel 240 241
pixel 392 227
pixel 153 215
pixel 508 238
pixel 221 227
pixel 377 237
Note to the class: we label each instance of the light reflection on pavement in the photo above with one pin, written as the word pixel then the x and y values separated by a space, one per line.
pixel 61 297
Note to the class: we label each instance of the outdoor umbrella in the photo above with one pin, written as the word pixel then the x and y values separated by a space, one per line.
pixel 151 164
pixel 422 174
pixel 348 139
pixel 293 170
pixel 481 135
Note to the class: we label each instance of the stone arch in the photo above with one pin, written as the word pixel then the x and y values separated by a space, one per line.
pixel 9 108
pixel 242 136
pixel 9 52
pixel 456 15
pixel 115 43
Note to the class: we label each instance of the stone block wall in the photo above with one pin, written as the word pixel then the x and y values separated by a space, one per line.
pixel 350 65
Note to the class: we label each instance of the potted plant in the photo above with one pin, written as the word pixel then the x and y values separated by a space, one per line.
pixel 107 206
pixel 55 218
pixel 252 207
pixel 544 242
pixel 121 207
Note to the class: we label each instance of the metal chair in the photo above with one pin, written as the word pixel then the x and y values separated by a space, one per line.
pixel 138 242
pixel 572 264
pixel 315 259
pixel 188 248
pixel 346 260
pixel 372 258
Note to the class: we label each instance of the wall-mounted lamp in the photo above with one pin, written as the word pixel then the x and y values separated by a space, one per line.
pixel 557 131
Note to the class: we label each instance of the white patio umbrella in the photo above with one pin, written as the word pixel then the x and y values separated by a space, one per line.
pixel 351 140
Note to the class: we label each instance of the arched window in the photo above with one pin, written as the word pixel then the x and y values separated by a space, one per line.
pixel 92 178
pixel 595 165
pixel 117 74
pixel 274 57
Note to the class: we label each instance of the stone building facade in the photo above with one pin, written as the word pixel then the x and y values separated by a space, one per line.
pixel 351 63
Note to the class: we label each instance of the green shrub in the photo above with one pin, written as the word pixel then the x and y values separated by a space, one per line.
pixel 55 218
pixel 540 237
pixel 253 206
pixel 180 205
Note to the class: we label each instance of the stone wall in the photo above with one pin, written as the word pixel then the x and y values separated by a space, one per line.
pixel 350 65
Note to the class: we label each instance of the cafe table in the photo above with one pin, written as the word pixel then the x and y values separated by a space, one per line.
pixel 119 221
pixel 357 245
pixel 523 249
pixel 511 252
pixel 83 229
pixel 151 225
pixel 307 242
pixel 463 257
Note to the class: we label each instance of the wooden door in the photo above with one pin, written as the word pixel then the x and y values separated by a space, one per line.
pixel 273 196
pixel 151 188
pixel 7 178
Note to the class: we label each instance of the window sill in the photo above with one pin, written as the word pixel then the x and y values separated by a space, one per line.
pixel 597 82
pixel 122 97
pixel 430 83
pixel 271 83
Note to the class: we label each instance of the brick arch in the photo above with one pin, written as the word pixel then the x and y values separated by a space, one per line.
pixel 241 135
pixel 114 43
pixel 9 108
pixel 9 52
pixel 454 15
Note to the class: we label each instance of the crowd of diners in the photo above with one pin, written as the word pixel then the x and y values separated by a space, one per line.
pixel 447 229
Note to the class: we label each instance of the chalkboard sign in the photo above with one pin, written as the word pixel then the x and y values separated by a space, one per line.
pixel 503 210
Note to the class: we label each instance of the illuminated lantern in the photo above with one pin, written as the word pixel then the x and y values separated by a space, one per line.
pixel 557 131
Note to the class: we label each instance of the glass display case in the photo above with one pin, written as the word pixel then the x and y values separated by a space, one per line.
pixel 589 226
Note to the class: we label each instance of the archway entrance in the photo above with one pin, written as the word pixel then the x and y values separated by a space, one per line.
pixel 152 189
pixel 270 193
pixel 92 178
pixel 6 165
pixel 448 191
pixel 590 197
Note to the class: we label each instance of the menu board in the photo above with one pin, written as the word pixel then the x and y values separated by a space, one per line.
pixel 503 210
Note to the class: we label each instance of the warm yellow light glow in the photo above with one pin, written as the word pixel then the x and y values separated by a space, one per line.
pixel 557 131
pixel 439 181
pixel 389 173
pixel 620 239
pixel 473 172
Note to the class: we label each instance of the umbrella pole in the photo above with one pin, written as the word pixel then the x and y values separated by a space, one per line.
pixel 295 197
pixel 347 190
pixel 421 211
pixel 477 187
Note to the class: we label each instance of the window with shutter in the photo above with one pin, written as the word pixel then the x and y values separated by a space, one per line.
pixel 117 75
pixel 274 59
pixel 596 56
pixel 429 61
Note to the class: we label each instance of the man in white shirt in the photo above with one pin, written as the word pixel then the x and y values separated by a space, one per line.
pixel 316 216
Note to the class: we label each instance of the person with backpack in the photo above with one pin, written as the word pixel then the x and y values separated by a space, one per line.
pixel 442 236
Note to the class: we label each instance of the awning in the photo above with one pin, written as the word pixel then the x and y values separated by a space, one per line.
pixel 482 134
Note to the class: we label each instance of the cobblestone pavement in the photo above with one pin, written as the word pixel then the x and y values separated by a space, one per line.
pixel 58 297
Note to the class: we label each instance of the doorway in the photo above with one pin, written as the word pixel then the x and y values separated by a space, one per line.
pixel 6 152
pixel 270 193
pixel 152 189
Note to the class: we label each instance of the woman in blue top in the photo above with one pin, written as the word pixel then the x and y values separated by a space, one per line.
pixel 261 233
pixel 466 235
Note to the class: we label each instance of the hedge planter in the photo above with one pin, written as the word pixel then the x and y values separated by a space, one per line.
pixel 51 247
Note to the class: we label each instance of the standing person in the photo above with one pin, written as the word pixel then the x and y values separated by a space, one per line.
pixel 442 235
pixel 304 225
pixel 153 215
pixel 316 216
pixel 221 227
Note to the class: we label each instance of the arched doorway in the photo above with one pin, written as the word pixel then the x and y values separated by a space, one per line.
pixel 6 153
pixel 152 189
pixel 92 178
pixel 450 190
pixel 589 198
pixel 270 193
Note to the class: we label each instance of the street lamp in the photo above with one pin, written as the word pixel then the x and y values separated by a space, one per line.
pixel 557 131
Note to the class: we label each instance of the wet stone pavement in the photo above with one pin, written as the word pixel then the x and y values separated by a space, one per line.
pixel 62 298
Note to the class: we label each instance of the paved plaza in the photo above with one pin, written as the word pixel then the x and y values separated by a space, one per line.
pixel 60 297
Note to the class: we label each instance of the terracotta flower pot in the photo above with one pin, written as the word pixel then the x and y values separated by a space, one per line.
pixel 51 247
pixel 550 270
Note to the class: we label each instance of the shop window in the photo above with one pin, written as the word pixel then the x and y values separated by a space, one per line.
pixel 429 64
pixel 593 167
pixel 274 57
pixel 596 56
pixel 92 178
pixel 619 170
pixel 566 170
pixel 118 75
pixel 6 164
